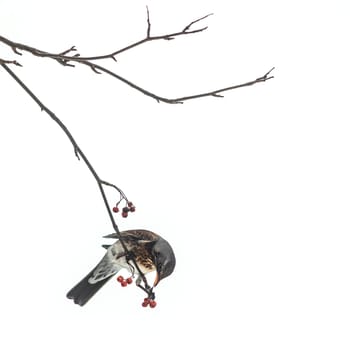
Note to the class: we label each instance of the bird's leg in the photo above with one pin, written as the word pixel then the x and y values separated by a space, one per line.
pixel 138 281
pixel 130 256
pixel 132 268
pixel 147 289
pixel 150 294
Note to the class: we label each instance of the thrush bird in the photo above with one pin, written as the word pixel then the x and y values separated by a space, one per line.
pixel 150 251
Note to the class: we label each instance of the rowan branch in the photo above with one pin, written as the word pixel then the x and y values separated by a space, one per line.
pixel 63 56
pixel 69 57
pixel 80 154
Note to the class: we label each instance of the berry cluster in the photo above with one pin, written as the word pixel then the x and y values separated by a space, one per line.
pixel 125 210
pixel 124 282
pixel 149 302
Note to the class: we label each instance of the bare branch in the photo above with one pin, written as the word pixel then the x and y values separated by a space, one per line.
pixel 184 98
pixel 77 58
pixel 66 60
pixel 216 92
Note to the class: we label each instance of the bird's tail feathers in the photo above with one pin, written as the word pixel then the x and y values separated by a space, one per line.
pixel 84 290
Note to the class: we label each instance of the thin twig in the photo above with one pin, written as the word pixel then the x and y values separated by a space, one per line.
pixel 115 187
pixel 216 93
pixel 148 25
pixel 2 61
pixel 177 100
pixel 195 21
pixel 79 153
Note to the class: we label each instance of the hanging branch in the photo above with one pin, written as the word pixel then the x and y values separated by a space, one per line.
pixel 80 154
pixel 67 60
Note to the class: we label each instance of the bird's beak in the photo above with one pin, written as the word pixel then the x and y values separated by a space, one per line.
pixel 156 280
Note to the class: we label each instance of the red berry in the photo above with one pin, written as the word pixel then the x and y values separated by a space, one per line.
pixel 132 209
pixel 129 280
pixel 130 204
pixel 124 283
pixel 115 209
pixel 125 209
pixel 120 279
pixel 124 214
pixel 152 304
pixel 145 302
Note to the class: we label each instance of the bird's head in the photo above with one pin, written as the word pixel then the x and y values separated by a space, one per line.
pixel 164 259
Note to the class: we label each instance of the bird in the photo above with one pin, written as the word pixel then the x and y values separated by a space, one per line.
pixel 150 251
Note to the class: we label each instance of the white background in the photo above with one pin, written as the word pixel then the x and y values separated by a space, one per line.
pixel 251 190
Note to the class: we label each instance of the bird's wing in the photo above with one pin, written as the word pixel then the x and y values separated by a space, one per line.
pixel 107 267
pixel 139 236
pixel 110 265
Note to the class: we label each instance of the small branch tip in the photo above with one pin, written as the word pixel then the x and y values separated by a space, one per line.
pixel 148 24
pixel 196 21
pixel 94 69
pixel 15 50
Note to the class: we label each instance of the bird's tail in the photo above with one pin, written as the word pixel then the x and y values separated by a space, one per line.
pixel 84 290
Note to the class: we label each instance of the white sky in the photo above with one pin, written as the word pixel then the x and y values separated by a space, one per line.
pixel 251 190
